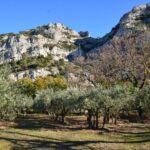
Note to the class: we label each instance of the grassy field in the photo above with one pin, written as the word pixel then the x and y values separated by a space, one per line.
pixel 37 132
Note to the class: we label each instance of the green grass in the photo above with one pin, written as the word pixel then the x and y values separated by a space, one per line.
pixel 37 132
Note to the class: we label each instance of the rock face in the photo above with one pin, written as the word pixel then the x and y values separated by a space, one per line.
pixel 60 41
pixel 33 74
pixel 55 39
pixel 138 18
pixel 64 43
pixel 134 23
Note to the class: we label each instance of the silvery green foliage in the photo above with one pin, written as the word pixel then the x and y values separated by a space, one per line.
pixel 142 99
pixel 120 96
pixel 43 99
pixel 69 98
pixel 115 98
pixel 94 99
pixel 6 96
pixel 57 101
pixel 23 102
pixel 11 101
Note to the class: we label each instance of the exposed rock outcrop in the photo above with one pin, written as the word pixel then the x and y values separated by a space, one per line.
pixel 55 39
pixel 66 44
pixel 135 23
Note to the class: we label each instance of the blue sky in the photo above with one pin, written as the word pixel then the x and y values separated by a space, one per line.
pixel 96 16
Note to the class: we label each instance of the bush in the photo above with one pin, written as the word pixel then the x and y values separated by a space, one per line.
pixel 27 62
pixel 12 102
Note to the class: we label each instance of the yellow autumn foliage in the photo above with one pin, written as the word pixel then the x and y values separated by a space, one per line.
pixel 31 86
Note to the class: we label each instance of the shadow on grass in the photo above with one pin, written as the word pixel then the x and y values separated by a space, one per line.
pixel 36 123
pixel 134 133
pixel 40 142
pixel 36 142
pixel 47 143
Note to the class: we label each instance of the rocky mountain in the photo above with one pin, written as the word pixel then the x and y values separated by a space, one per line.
pixel 134 23
pixel 42 51
pixel 124 53
pixel 49 49
pixel 55 39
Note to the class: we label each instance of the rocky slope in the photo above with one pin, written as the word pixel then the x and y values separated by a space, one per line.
pixel 134 23
pixel 42 51
pixel 45 50
pixel 55 39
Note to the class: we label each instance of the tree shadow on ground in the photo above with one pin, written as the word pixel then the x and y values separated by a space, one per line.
pixel 28 141
pixel 39 142
pixel 36 123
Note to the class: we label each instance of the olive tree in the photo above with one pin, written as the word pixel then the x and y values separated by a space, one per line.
pixel 11 100
pixel 108 101
pixel 141 102
pixel 58 103
pixel 93 103
pixel 65 101
pixel 120 97
pixel 43 100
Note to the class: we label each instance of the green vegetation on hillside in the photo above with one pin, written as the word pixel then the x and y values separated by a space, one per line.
pixel 30 63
